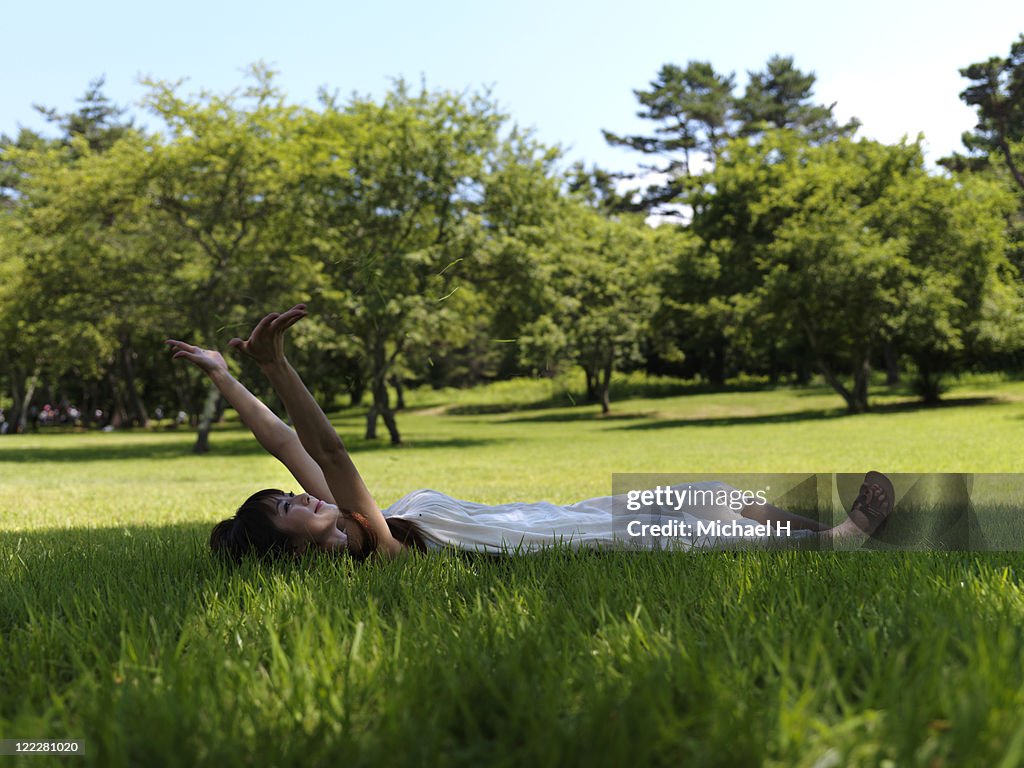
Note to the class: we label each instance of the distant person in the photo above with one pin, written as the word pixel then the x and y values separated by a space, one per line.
pixel 336 512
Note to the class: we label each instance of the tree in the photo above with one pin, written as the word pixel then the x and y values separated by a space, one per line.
pixel 601 280
pixel 781 97
pixel 996 145
pixel 960 300
pixel 97 122
pixel 70 218
pixel 997 94
pixel 596 187
pixel 391 190
pixel 521 206
pixel 833 276
pixel 696 112
pixel 706 306
pixel 692 109
pixel 225 180
pixel 873 250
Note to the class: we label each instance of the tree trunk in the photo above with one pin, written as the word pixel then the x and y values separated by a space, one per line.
pixel 23 403
pixel 857 400
pixel 183 390
pixel 379 388
pixel 717 372
pixel 591 375
pixel 399 393
pixel 218 413
pixel 606 381
pixel 892 366
pixel 202 444
pixel 380 403
pixel 356 390
pixel 1008 156
pixel 773 367
pixel 861 379
pixel 17 412
pixel 138 409
pixel 371 423
pixel 91 403
pixel 17 388
pixel 928 383
pixel 119 414
pixel 802 377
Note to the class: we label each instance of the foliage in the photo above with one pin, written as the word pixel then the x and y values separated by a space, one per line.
pixel 696 113
pixel 996 92
pixel 437 244
pixel 391 196
pixel 600 290
pixel 826 253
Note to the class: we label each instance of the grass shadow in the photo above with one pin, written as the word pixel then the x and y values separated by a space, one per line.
pixel 732 421
pixel 484 409
pixel 816 414
pixel 120 452
pixel 101 559
pixel 221 445
pixel 365 446
pixel 578 415
pixel 624 391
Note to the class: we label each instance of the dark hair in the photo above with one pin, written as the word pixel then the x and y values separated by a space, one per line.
pixel 251 532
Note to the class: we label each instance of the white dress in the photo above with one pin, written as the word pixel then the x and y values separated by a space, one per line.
pixel 446 522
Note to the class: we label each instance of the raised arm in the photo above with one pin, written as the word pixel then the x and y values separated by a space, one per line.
pixel 274 435
pixel 266 345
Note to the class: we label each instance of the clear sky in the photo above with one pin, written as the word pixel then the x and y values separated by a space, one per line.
pixel 567 68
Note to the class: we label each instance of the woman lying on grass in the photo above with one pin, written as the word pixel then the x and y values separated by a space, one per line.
pixel 336 512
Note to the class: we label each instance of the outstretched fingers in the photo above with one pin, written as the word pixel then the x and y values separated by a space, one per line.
pixel 263 324
pixel 181 348
pixel 289 318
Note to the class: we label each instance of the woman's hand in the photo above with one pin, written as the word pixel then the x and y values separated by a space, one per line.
pixel 209 361
pixel 265 344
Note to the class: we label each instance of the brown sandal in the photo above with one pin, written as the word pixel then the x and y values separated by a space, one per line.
pixel 874 503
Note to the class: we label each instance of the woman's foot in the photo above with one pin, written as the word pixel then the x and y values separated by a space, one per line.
pixel 874 503
pixel 870 509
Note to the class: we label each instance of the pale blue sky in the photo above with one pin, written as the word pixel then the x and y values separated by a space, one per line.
pixel 565 68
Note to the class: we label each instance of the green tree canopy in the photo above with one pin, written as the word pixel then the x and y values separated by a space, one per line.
pixel 695 112
pixel 600 291
pixel 996 93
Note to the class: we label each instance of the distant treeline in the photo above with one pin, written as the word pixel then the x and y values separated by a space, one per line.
pixel 436 244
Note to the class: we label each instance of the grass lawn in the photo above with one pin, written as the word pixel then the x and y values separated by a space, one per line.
pixel 116 627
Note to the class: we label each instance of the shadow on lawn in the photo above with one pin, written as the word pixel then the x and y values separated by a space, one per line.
pixel 624 391
pixel 581 414
pixel 128 573
pixel 220 446
pixel 816 414
pixel 104 562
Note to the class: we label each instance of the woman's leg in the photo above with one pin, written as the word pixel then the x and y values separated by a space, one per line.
pixel 872 506
pixel 766 513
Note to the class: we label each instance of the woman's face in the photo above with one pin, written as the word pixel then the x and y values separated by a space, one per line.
pixel 310 521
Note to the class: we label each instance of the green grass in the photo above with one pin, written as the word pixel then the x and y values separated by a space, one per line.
pixel 118 628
